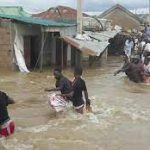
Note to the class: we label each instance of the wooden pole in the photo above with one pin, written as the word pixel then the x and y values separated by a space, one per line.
pixel 62 54
pixel 42 51
pixel 149 7
pixel 12 53
pixel 79 16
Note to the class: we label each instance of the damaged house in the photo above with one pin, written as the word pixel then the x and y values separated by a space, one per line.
pixel 31 43
pixel 122 17
pixel 80 48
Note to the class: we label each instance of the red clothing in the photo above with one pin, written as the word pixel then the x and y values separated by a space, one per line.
pixel 7 129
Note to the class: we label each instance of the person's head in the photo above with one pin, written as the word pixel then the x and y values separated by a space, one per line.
pixel 57 73
pixel 78 71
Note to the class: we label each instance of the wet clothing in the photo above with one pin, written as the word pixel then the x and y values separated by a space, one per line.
pixel 7 128
pixel 147 69
pixel 134 72
pixel 128 47
pixel 4 101
pixel 65 85
pixel 78 87
pixel 57 102
pixel 147 73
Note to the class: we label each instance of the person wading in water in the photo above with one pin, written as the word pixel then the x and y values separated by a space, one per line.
pixel 79 87
pixel 64 86
pixel 7 126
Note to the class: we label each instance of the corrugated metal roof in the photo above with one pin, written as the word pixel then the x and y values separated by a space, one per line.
pixel 59 12
pixel 13 10
pixel 102 36
pixel 92 48
pixel 37 21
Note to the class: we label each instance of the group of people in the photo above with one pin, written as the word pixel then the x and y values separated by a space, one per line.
pixel 137 57
pixel 74 91
pixel 136 66
pixel 68 91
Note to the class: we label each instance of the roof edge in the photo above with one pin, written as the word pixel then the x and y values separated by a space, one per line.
pixel 123 9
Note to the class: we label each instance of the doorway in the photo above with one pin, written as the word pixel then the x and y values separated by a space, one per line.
pixel 61 53
pixel 31 51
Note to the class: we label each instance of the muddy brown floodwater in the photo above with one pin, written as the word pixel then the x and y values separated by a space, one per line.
pixel 120 118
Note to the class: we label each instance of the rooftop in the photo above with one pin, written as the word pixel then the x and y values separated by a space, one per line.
pixel 13 10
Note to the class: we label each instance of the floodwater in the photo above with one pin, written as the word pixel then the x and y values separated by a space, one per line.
pixel 120 118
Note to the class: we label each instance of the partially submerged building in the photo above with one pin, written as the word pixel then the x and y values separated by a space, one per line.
pixel 30 42
pixel 78 49
pixel 122 17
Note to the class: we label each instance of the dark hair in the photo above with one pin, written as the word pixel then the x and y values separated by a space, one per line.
pixel 78 70
pixel 58 69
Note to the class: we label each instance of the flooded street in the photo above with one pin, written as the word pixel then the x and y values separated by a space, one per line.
pixel 120 118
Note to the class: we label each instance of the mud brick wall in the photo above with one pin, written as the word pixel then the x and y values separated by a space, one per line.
pixel 5 49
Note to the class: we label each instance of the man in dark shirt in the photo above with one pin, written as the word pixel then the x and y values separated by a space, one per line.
pixel 64 85
pixel 4 117
pixel 79 86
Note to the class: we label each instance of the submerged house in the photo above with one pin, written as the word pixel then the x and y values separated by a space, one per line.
pixel 31 43
pixel 28 42
pixel 78 50
pixel 122 17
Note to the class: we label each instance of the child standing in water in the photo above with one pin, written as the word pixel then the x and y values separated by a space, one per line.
pixel 7 126
pixel 79 88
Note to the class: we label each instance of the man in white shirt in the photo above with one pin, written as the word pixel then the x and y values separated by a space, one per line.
pixel 128 47
pixel 147 46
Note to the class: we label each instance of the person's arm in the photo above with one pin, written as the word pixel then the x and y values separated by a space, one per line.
pixel 85 92
pixel 123 69
pixel 118 71
pixel 52 89
pixel 59 86
pixel 11 100
pixel 88 102
pixel 68 94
